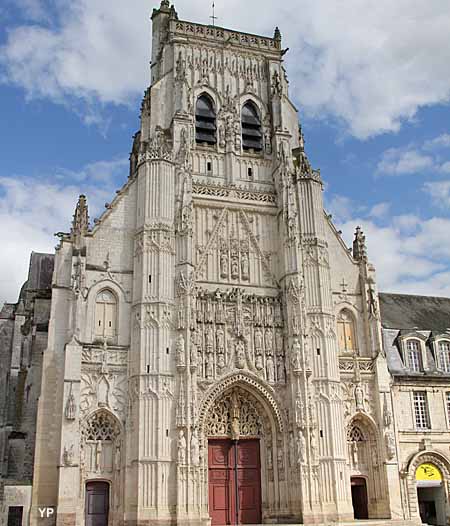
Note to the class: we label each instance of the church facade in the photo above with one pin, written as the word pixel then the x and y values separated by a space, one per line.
pixel 215 350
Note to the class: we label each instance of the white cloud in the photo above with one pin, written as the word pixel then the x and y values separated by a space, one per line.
pixel 439 192
pixel 441 141
pixel 347 60
pixel 397 161
pixel 380 210
pixel 32 210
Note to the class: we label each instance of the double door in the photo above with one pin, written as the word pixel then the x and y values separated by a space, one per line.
pixel 234 482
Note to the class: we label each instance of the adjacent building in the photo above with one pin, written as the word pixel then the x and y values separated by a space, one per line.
pixel 416 337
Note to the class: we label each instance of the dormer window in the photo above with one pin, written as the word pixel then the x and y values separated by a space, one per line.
pixel 414 355
pixel 251 128
pixel 205 120
pixel 443 361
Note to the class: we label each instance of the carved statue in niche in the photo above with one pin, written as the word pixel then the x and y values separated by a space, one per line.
pixel 270 369
pixel 195 448
pixel 281 374
pixel 181 447
pixel 269 343
pixel 259 364
pixel 301 447
pixel 209 340
pixel 70 409
pixel 98 456
pixel 267 143
pixel 209 365
pixel 209 316
pixel 245 266
pixel 235 416
pixel 258 341
pixel 117 456
pixel 223 265
pixel 296 355
pixel 220 339
pixel 103 389
pixel 257 312
pixel 298 411
pixel 277 314
pixel 234 268
pixel 240 354
pixel 193 351
pixel 68 455
pixel 390 444
pixel 221 134
pixel 181 355
pixel 268 316
pixel 359 397
pixel 220 313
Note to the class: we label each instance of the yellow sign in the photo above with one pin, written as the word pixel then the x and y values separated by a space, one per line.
pixel 428 472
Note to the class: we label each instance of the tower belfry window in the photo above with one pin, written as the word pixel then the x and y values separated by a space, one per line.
pixel 205 120
pixel 251 127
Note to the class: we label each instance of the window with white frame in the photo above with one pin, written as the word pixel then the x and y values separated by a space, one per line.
pixel 447 404
pixel 413 355
pixel 421 415
pixel 105 314
pixel 444 356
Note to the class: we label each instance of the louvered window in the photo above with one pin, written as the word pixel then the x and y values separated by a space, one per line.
pixel 205 120
pixel 251 128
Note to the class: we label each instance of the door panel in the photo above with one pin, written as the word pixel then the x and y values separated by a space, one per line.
pixel 224 471
pixel 97 503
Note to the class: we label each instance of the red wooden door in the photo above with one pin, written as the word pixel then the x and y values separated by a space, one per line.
pixel 234 482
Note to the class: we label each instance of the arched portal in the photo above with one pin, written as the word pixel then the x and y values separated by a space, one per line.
pixel 428 479
pixel 366 469
pixel 246 455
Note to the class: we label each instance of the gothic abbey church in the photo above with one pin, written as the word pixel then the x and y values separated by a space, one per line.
pixel 214 349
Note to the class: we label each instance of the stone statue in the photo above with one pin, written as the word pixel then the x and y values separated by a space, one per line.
pixel 269 342
pixel 359 397
pixel 281 374
pixel 258 341
pixel 98 456
pixel 234 268
pixel 270 369
pixel 296 355
pixel 390 444
pixel 240 354
pixel 181 447
pixel 181 355
pixel 301 448
pixel 195 448
pixel 244 266
pixel 223 265
pixel 70 409
pixel 193 351
pixel 259 362
pixel 117 457
pixel 68 456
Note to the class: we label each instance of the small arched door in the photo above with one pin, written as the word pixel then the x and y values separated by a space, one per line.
pixel 359 498
pixel 97 504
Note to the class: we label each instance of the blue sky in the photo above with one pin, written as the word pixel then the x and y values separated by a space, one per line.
pixel 371 81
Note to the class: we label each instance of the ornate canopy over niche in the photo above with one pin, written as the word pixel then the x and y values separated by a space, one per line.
pixel 237 414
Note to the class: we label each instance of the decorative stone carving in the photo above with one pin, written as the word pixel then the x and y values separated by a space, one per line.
pixel 68 455
pixel 180 350
pixel 235 415
pixel 195 448
pixel 70 408
pixel 390 444
pixel 359 397
pixel 181 447
pixel 240 354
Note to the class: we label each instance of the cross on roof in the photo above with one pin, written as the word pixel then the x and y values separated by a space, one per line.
pixel 213 17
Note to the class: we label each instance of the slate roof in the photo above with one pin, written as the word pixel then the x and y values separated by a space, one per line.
pixel 404 311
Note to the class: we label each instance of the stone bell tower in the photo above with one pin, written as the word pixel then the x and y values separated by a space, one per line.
pixel 196 321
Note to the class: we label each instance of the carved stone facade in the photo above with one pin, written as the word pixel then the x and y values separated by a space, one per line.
pixel 214 300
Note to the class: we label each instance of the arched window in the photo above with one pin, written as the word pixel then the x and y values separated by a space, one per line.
pixel 444 356
pixel 105 314
pixel 205 120
pixel 346 331
pixel 413 355
pixel 251 127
